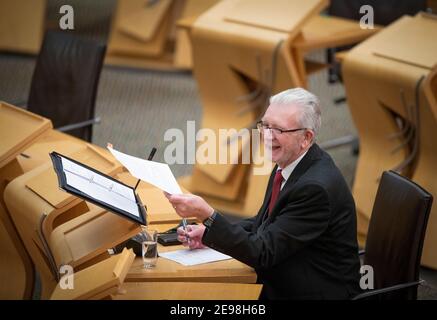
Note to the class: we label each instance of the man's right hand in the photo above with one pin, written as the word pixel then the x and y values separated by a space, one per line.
pixel 194 233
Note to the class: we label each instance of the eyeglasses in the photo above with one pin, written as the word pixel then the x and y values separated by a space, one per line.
pixel 262 127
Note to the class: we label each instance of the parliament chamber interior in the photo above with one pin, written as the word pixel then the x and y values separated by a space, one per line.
pixel 133 96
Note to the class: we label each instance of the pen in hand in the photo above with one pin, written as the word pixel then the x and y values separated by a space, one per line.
pixel 184 225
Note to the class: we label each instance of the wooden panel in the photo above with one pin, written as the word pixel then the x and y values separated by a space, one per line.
pixel 192 10
pixel 327 31
pixel 379 86
pixel 18 128
pixel 229 190
pixel 159 210
pixel 98 280
pixel 89 235
pixel 167 270
pixel 141 21
pixel 53 140
pixel 281 15
pixel 22 25
pixel 430 88
pixel 188 291
pixel 46 183
pixel 121 44
pixel 419 34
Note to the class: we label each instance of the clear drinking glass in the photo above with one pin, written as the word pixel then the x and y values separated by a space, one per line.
pixel 149 247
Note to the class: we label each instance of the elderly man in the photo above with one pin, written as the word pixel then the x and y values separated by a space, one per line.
pixel 302 243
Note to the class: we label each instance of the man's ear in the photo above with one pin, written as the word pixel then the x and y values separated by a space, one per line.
pixel 309 137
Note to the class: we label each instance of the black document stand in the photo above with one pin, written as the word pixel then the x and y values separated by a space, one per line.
pixel 59 169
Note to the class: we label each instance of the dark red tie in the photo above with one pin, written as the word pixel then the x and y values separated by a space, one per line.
pixel 276 188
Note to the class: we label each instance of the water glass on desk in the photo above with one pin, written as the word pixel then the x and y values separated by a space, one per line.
pixel 149 247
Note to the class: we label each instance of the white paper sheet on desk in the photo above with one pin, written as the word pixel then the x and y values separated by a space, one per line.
pixel 189 257
pixel 155 173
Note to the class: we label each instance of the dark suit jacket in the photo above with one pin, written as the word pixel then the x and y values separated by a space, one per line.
pixel 307 248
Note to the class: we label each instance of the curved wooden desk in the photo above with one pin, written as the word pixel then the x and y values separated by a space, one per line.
pixel 35 193
pixel 104 280
pixel 169 271
pixel 22 25
pixel 394 110
pixel 187 291
pixel 144 36
pixel 19 129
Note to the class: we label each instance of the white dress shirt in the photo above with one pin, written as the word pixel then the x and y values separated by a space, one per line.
pixel 286 172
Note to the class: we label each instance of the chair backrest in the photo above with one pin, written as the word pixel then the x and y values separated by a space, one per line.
pixel 65 80
pixel 396 233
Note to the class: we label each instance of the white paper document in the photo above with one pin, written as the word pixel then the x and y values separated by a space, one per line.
pixel 189 257
pixel 99 187
pixel 155 173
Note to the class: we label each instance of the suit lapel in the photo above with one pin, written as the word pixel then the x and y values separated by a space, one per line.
pixel 313 153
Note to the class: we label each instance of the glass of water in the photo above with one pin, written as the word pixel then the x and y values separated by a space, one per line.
pixel 149 247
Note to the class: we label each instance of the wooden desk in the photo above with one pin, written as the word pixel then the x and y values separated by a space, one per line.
pixel 22 25
pixel 145 37
pixel 380 76
pixel 105 280
pixel 36 192
pixel 325 32
pixel 170 271
pixel 18 130
pixel 187 291
pixel 52 140
pixel 82 241
pixel 98 281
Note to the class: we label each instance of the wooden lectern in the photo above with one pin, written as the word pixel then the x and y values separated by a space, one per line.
pixel 57 228
pixel 19 129
pixel 242 56
pixel 391 86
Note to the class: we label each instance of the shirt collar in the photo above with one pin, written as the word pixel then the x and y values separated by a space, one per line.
pixel 288 170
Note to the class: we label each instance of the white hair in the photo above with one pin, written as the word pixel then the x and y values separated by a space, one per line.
pixel 310 116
